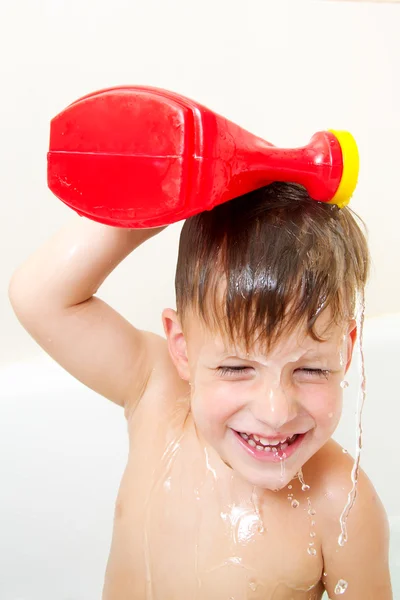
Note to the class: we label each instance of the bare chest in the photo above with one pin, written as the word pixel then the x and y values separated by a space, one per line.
pixel 180 532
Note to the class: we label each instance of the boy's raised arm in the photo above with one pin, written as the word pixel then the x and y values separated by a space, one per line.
pixel 52 294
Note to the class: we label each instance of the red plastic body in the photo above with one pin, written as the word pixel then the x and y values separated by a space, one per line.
pixel 145 157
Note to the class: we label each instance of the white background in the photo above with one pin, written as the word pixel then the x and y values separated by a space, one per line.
pixel 282 70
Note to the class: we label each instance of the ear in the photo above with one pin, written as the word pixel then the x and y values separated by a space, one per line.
pixel 176 342
pixel 351 340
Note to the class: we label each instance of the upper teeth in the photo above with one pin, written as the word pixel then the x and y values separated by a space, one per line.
pixel 265 441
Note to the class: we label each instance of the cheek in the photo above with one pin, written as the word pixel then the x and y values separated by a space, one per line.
pixel 215 403
pixel 324 404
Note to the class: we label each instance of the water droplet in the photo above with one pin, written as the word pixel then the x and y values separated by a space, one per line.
pixel 325 574
pixel 312 551
pixel 344 451
pixel 290 487
pixel 312 534
pixel 304 486
pixel 312 512
pixel 253 586
pixel 344 384
pixel 312 523
pixel 341 587
pixel 295 503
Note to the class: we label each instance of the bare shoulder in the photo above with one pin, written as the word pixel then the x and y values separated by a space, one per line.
pixel 163 384
pixel 330 470
pixel 363 559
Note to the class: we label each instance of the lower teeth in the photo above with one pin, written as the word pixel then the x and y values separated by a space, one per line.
pixel 273 449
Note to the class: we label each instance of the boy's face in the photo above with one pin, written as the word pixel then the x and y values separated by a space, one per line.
pixel 293 391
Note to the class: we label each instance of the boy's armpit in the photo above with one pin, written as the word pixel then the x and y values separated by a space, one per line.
pixel 361 566
pixel 162 385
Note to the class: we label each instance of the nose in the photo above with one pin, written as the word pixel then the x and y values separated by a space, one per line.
pixel 274 406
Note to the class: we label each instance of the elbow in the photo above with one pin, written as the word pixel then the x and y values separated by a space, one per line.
pixel 13 290
pixel 18 293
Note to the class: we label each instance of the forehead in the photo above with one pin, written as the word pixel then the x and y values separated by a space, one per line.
pixel 216 343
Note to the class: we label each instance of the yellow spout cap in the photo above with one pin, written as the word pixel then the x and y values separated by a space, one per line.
pixel 351 167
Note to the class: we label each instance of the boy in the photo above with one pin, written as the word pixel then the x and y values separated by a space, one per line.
pixel 222 415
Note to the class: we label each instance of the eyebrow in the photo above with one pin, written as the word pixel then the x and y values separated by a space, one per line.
pixel 309 354
pixel 241 356
pixel 230 354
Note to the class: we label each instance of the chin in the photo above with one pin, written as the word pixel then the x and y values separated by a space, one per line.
pixel 273 483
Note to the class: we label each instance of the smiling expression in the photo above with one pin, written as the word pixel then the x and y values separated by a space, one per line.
pixel 245 404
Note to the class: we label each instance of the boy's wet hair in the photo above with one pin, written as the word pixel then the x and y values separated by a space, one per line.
pixel 281 258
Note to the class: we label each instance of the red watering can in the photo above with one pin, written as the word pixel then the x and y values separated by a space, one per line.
pixel 145 157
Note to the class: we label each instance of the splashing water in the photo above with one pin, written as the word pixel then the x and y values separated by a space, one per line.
pixel 256 506
pixel 341 357
pixel 311 512
pixel 283 467
pixel 341 587
pixel 360 405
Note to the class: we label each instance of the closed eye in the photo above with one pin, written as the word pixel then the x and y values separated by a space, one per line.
pixel 308 373
pixel 315 372
pixel 232 370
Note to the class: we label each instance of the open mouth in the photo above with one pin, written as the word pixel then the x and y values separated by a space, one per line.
pixel 261 443
pixel 265 449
